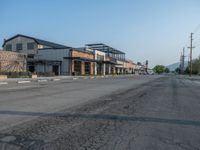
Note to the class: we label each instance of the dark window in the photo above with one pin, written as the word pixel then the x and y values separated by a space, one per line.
pixel 30 56
pixel 19 46
pixel 99 69
pixel 31 68
pixel 56 69
pixel 100 57
pixel 30 46
pixel 77 67
pixel 87 68
pixel 9 47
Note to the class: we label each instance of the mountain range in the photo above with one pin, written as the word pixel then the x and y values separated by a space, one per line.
pixel 173 66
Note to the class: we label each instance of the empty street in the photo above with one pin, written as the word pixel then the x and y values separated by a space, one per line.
pixel 122 113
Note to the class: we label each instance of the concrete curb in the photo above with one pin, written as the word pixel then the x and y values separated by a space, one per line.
pixel 58 78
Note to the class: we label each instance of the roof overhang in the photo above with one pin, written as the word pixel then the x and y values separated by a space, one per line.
pixel 83 59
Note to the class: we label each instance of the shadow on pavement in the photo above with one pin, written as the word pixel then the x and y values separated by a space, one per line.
pixel 105 117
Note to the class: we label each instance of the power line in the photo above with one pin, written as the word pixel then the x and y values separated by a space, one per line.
pixel 196 29
pixel 197 41
pixel 197 45
pixel 197 36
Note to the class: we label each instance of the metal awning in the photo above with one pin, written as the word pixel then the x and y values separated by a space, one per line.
pixel 104 48
pixel 42 61
pixel 110 62
pixel 84 59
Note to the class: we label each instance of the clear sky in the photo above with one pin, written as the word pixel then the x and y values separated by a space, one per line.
pixel 155 30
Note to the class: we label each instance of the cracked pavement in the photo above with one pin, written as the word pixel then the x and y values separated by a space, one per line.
pixel 140 112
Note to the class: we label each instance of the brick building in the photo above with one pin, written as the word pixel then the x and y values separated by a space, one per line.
pixel 82 62
pixel 12 62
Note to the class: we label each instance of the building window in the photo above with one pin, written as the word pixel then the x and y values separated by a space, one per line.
pixel 9 47
pixel 77 67
pixel 30 46
pixel 100 57
pixel 40 46
pixel 19 46
pixel 87 68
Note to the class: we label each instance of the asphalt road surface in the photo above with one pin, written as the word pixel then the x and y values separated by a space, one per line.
pixel 126 113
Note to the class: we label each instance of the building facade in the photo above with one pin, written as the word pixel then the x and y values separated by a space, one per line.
pixel 114 59
pixel 100 66
pixel 82 62
pixel 52 61
pixel 31 47
pixel 28 45
pixel 48 57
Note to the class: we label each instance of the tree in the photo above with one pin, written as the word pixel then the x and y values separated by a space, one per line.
pixel 196 66
pixel 159 69
pixel 177 70
pixel 167 70
pixel 187 70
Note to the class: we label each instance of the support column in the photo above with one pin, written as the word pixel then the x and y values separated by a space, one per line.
pixel 72 67
pixel 91 68
pixel 95 68
pixel 82 68
pixel 109 68
pixel 104 69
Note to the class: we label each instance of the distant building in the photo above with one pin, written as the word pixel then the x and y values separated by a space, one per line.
pixel 51 61
pixel 130 67
pixel 82 62
pixel 47 57
pixel 28 45
pixel 114 61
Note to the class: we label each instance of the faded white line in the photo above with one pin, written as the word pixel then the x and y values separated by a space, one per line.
pixel 22 82
pixel 3 83
pixel 19 87
pixel 41 80
pixel 56 79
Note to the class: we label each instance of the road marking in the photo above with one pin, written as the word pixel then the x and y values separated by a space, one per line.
pixel 75 78
pixel 41 80
pixel 22 82
pixel 3 83
pixel 8 139
pixel 19 87
pixel 56 79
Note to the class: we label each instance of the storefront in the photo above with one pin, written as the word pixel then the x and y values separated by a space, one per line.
pixel 81 62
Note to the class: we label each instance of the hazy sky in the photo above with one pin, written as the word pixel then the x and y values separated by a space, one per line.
pixel 155 30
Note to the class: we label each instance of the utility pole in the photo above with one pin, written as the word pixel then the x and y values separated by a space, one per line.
pixel 191 47
pixel 180 66
pixel 146 66
pixel 182 61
